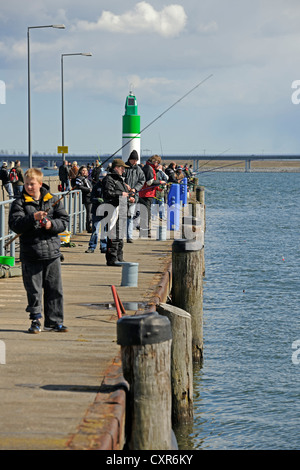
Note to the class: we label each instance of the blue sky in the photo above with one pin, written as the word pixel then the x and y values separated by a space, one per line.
pixel 161 51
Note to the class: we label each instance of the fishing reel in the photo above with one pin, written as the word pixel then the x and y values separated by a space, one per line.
pixel 131 196
pixel 44 221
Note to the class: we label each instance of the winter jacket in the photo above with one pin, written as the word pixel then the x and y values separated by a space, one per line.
pixel 20 175
pixel 85 186
pixel 151 183
pixel 171 175
pixel 4 175
pixel 113 187
pixel 63 173
pixel 37 243
pixel 97 196
pixel 135 178
pixel 95 174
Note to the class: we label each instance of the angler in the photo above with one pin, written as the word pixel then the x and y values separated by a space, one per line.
pixel 39 217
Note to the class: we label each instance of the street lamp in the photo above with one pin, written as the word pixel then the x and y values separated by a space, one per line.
pixel 57 26
pixel 87 54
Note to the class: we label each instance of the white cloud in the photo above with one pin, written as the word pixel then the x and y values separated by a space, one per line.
pixel 168 22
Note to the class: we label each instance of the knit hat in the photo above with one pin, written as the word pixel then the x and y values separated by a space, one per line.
pixel 134 155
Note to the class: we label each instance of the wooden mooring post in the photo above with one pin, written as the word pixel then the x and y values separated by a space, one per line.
pixel 187 287
pixel 200 194
pixel 181 363
pixel 146 360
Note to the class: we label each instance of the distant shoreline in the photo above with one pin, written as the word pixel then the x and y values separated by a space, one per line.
pixel 216 166
pixel 256 166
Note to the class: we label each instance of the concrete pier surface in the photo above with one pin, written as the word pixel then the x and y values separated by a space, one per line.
pixel 59 391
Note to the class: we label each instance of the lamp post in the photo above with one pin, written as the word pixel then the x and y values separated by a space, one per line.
pixel 87 54
pixel 58 26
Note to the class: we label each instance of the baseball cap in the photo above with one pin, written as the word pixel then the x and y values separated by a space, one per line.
pixel 119 162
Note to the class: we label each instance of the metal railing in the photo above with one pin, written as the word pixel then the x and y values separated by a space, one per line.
pixel 72 204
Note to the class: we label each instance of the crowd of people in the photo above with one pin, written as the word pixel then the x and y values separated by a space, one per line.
pixel 139 187
pixel 38 217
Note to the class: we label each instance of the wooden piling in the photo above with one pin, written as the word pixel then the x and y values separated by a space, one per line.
pixel 187 287
pixel 200 198
pixel 146 360
pixel 200 194
pixel 181 363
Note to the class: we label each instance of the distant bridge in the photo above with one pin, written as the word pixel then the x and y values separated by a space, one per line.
pixel 42 160
pixel 229 158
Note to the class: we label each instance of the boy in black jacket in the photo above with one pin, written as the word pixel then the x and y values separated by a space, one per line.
pixel 39 217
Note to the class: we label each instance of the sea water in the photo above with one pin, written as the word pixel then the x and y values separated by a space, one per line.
pixel 247 391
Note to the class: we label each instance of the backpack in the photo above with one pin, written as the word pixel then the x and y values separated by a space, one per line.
pixel 13 176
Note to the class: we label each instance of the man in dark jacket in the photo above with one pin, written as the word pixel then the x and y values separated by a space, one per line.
pixel 39 216
pixel 97 200
pixel 114 189
pixel 19 183
pixel 135 179
pixel 4 177
pixel 170 172
pixel 83 183
pixel 63 173
pixel 96 172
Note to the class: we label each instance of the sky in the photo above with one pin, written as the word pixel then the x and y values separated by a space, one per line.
pixel 243 55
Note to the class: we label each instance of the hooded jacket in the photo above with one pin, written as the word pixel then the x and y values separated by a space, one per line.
pixel 37 243
pixel 152 183
pixel 135 177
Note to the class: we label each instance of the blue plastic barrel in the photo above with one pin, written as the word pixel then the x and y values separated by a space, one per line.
pixel 174 207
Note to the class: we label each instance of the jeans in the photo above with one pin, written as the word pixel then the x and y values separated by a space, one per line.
pixel 145 219
pixel 96 223
pixel 17 188
pixel 160 210
pixel 9 190
pixel 130 217
pixel 66 185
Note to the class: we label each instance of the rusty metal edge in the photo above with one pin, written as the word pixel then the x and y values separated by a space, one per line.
pixel 103 425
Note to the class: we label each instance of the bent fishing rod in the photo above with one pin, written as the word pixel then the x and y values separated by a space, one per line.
pixel 158 117
pixel 47 210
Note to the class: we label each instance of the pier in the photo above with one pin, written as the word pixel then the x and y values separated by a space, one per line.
pixel 74 390
pixel 66 390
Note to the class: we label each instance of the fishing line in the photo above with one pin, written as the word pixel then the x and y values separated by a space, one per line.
pixel 158 117
pixel 219 154
pixel 218 168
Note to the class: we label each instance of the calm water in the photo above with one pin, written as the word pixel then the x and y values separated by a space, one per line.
pixel 247 392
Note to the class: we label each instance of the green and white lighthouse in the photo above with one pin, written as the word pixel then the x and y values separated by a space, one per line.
pixel 131 139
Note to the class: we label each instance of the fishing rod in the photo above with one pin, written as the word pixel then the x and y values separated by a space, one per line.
pixel 47 210
pixel 158 117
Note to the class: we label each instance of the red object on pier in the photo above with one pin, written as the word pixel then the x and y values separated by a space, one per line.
pixel 119 306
